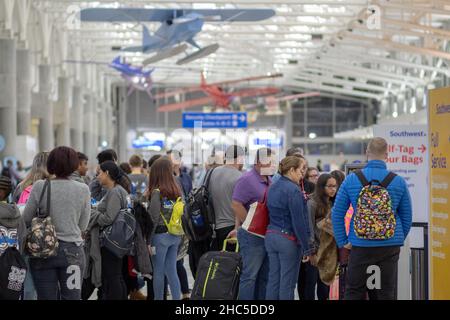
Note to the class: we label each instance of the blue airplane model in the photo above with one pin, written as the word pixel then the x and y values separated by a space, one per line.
pixel 178 27
pixel 136 77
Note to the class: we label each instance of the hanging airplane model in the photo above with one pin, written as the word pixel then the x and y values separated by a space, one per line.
pixel 271 104
pixel 215 94
pixel 136 77
pixel 178 27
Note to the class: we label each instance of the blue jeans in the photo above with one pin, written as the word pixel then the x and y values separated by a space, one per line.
pixel 29 291
pixel 255 266
pixel 284 262
pixel 59 277
pixel 165 263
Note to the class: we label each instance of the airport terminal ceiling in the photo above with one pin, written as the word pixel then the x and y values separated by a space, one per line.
pixel 342 65
pixel 389 48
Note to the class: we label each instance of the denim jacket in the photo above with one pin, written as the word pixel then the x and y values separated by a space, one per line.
pixel 288 213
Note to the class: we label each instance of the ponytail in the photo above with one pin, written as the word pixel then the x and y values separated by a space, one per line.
pixel 124 182
pixel 116 174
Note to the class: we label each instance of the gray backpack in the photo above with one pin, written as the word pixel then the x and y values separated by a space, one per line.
pixel 119 236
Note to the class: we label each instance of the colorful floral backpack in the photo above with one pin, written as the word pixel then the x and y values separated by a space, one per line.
pixel 374 218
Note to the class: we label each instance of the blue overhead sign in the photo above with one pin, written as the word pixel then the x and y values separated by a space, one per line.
pixel 143 142
pixel 215 120
pixel 269 142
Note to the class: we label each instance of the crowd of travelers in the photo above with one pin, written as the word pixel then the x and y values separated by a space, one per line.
pixel 67 236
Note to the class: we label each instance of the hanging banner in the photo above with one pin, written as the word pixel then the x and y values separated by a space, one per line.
pixel 439 139
pixel 407 157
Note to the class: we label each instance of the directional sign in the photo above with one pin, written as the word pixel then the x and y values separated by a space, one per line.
pixel 146 143
pixel 2 143
pixel 269 142
pixel 215 120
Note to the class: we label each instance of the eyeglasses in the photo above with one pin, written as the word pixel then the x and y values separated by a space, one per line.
pixel 331 187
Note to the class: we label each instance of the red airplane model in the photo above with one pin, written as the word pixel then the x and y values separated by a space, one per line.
pixel 215 94
pixel 272 102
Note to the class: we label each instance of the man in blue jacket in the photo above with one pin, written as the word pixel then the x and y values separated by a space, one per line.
pixel 368 256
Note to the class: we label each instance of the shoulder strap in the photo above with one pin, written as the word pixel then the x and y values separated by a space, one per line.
pixel 38 212
pixel 207 178
pixel 123 201
pixel 265 195
pixel 388 179
pixel 362 178
pixel 48 197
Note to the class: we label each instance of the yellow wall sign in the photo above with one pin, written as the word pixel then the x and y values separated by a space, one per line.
pixel 439 162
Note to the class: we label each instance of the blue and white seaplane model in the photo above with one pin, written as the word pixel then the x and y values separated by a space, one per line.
pixel 178 27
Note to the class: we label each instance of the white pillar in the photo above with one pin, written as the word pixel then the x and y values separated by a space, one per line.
pixel 77 119
pixel 8 105
pixel 103 122
pixel 95 125
pixel 384 109
pixel 122 124
pixel 401 104
pixel 98 124
pixel 88 116
pixel 46 133
pixel 111 126
pixel 63 107
pixel 23 80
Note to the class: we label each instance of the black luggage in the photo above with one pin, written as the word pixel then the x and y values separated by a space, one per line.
pixel 342 281
pixel 344 255
pixel 218 275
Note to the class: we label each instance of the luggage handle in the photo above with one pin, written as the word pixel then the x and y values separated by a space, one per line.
pixel 226 241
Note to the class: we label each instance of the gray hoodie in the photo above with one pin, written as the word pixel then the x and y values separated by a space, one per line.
pixel 10 218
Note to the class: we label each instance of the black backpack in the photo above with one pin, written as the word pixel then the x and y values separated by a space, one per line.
pixel 198 216
pixel 119 236
pixel 13 270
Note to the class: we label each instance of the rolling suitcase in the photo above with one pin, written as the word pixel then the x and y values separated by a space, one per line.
pixel 218 275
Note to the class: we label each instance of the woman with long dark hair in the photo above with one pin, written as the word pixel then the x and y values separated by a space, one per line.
pixel 319 208
pixel 164 191
pixel 116 198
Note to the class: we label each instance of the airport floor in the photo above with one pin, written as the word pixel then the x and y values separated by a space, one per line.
pixel 190 281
